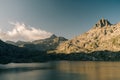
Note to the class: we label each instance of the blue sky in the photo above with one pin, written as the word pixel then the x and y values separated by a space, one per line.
pixel 67 18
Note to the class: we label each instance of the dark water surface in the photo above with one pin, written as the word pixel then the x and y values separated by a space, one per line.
pixel 61 70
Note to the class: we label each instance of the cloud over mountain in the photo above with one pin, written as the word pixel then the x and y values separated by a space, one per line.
pixel 23 32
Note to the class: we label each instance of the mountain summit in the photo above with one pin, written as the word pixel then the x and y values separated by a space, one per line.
pixel 102 22
pixel 41 45
pixel 104 36
pixel 53 36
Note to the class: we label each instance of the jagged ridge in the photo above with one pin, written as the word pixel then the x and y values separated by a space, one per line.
pixel 50 43
pixel 102 36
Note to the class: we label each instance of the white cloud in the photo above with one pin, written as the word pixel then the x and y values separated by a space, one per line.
pixel 24 33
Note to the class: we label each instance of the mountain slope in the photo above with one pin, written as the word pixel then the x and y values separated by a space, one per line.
pixel 50 43
pixel 10 53
pixel 102 36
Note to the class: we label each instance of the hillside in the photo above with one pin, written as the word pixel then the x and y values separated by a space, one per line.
pixel 10 53
pixel 50 43
pixel 102 36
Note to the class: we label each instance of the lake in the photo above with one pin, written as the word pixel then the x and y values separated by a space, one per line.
pixel 61 70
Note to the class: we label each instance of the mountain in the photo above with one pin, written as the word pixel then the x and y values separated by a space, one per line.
pixel 7 51
pixel 18 43
pixel 50 43
pixel 10 53
pixel 102 36
pixel 8 48
pixel 102 42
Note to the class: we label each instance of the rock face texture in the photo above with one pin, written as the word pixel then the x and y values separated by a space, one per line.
pixel 50 43
pixel 102 36
pixel 102 22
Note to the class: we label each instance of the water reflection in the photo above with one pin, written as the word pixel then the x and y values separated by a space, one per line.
pixel 63 70
pixel 30 71
pixel 93 70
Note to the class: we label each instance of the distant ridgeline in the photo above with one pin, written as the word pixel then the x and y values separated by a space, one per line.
pixel 100 43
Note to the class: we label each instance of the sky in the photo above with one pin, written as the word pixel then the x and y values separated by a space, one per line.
pixel 37 19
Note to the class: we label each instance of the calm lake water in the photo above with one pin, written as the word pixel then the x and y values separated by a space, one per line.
pixel 63 70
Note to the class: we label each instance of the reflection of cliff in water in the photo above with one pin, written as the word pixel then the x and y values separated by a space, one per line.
pixel 61 70
pixel 92 70
pixel 35 71
pixel 23 67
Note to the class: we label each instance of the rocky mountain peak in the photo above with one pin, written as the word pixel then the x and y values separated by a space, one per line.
pixel 102 23
pixel 41 45
pixel 105 36
pixel 53 36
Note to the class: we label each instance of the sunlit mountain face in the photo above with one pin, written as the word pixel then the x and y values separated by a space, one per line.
pixel 102 36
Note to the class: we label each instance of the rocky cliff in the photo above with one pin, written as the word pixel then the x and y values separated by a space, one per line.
pixel 50 43
pixel 102 36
